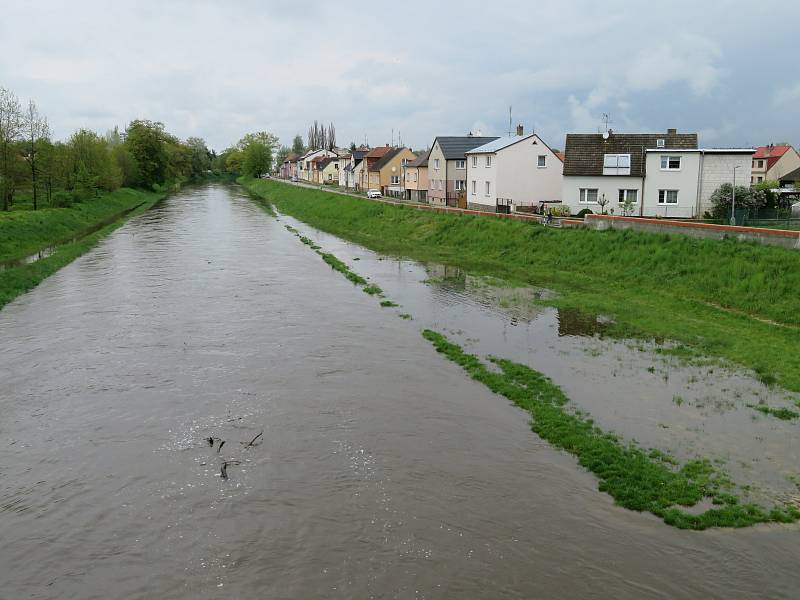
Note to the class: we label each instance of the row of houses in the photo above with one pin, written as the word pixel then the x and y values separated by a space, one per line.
pixel 652 174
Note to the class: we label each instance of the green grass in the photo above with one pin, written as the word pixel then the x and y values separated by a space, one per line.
pixel 785 414
pixel 721 299
pixel 23 233
pixel 636 479
pixel 388 304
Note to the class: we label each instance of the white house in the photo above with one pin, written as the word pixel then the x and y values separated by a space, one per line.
pixel 514 171
pixel 664 175
pixel 305 170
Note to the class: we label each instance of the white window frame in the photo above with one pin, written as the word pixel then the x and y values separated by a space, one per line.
pixel 663 198
pixel 616 164
pixel 488 160
pixel 474 160
pixel 666 159
pixel 474 187
pixel 661 143
pixel 626 192
pixel 541 161
pixel 460 185
pixel 392 179
pixel 488 188
pixel 584 195
pixel 461 165
pixel 436 164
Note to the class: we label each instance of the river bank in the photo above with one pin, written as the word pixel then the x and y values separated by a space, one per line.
pixel 722 300
pixel 59 235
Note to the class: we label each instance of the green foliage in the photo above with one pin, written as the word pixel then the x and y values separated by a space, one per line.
pixel 637 480
pixel 145 141
pixel 745 198
pixel 297 145
pixel 61 199
pixel 721 296
pixel 257 159
pixel 583 212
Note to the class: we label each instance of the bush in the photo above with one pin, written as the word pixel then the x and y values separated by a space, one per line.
pixel 61 199
pixel 583 212
pixel 745 198
pixel 560 210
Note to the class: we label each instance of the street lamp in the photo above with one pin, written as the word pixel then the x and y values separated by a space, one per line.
pixel 733 200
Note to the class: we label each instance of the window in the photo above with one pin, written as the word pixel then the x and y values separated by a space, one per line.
pixel 631 195
pixel 436 163
pixel 667 196
pixel 461 185
pixel 542 161
pixel 488 187
pixel 660 143
pixel 588 196
pixel 488 160
pixel 474 161
pixel 760 179
pixel 474 187
pixel 760 164
pixel 395 180
pixel 617 164
pixel 330 177
pixel 461 164
pixel 670 163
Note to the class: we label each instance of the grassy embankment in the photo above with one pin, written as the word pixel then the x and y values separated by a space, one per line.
pixel 72 230
pixel 636 479
pixel 719 299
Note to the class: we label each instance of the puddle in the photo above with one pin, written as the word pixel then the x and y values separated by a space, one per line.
pixel 630 387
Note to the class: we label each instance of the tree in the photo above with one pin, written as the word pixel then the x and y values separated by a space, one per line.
pixel 745 198
pixel 283 154
pixel 200 157
pixel 145 141
pixel 257 159
pixel 602 201
pixel 93 167
pixel 36 132
pixel 268 139
pixel 11 126
pixel 297 145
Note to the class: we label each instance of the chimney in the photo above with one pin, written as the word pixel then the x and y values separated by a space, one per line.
pixel 672 132
pixel 520 130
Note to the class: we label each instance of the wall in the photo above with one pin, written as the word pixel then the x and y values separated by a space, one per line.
pixel 717 169
pixel 436 187
pixel 771 237
pixel 608 185
pixel 684 180
pixel 480 175
pixel 787 163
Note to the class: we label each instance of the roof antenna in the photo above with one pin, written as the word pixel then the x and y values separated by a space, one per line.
pixel 606 118
pixel 509 120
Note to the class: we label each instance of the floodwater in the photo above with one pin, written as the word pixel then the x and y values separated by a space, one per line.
pixel 382 472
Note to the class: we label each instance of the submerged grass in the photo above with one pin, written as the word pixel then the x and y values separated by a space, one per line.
pixel 636 479
pixel 23 233
pixel 785 414
pixel 388 304
pixel 655 286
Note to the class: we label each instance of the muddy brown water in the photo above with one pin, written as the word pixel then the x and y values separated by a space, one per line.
pixel 383 471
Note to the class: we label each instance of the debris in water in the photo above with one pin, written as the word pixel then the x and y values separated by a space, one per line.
pixel 251 442
pixel 221 444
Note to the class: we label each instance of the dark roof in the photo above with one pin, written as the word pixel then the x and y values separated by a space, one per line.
pixel 454 147
pixel 584 151
pixel 422 161
pixel 794 176
pixel 321 164
pixel 359 154
pixel 385 159
pixel 292 158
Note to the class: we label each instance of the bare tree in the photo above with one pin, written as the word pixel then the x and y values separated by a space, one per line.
pixel 36 130
pixel 331 137
pixel 11 126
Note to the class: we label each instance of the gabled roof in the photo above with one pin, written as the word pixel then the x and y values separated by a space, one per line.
pixel 561 156
pixel 500 143
pixel 359 153
pixel 386 159
pixel 772 153
pixel 422 161
pixel 378 152
pixel 455 147
pixel 585 151
pixel 793 176
pixel 292 158
pixel 324 162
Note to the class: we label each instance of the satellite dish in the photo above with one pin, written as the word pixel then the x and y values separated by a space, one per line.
pixel 605 135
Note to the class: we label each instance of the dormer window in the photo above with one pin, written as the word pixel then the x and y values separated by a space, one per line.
pixel 660 143
pixel 617 164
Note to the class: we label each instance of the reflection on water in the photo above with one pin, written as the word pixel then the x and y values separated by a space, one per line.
pixel 572 321
pixel 382 472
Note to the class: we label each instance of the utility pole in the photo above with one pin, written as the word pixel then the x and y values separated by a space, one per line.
pixel 733 197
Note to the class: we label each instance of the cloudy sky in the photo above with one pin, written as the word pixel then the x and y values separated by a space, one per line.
pixel 218 69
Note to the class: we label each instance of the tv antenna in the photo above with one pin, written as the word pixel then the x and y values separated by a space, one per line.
pixel 606 118
pixel 509 121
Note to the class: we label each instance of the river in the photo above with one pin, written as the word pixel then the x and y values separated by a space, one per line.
pixel 382 471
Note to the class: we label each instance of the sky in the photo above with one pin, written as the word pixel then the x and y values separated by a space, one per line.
pixel 409 71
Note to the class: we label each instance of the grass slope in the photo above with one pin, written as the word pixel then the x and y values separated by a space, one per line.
pixel 23 233
pixel 636 479
pixel 722 299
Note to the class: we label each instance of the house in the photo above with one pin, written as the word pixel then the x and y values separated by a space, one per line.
pixel 370 158
pixel 287 168
pixel 328 170
pixel 773 162
pixel 349 168
pixel 385 174
pixel 447 167
pixel 790 180
pixel 415 179
pixel 304 164
pixel 514 171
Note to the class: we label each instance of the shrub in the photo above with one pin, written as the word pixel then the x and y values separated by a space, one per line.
pixel 61 199
pixel 583 212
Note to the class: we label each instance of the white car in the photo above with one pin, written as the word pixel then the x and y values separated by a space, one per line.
pixel 294 179
pixel 374 194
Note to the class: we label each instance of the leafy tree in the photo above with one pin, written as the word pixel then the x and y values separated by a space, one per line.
pixel 199 156
pixel 36 132
pixel 745 197
pixel 297 145
pixel 270 140
pixel 129 168
pixel 283 154
pixel 257 159
pixel 233 160
pixel 11 126
pixel 92 165
pixel 145 141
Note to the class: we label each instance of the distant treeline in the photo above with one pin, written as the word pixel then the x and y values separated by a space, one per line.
pixel 143 155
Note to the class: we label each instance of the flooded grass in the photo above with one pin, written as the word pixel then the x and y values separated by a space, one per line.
pixel 635 278
pixel 388 304
pixel 637 479
pixel 783 413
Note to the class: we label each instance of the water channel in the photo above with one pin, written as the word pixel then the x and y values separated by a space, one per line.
pixel 382 472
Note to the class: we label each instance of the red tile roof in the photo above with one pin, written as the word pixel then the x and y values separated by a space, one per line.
pixel 772 153
pixel 378 152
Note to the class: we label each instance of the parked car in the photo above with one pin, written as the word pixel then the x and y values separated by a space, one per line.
pixel 374 194
pixel 294 179
pixel 266 176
